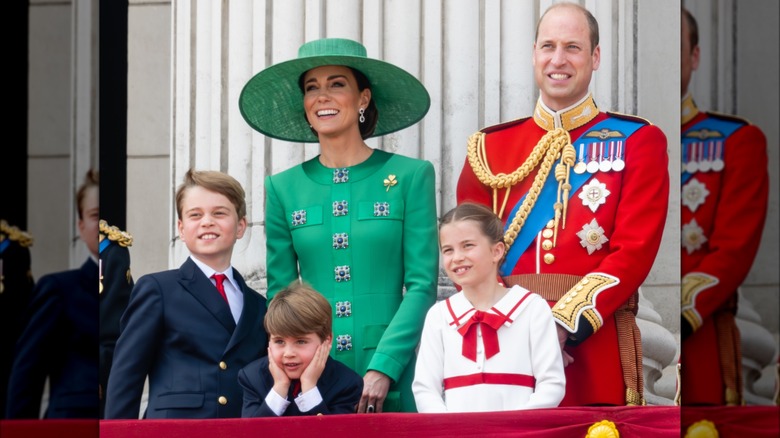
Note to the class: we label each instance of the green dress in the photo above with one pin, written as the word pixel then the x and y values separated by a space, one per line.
pixel 366 238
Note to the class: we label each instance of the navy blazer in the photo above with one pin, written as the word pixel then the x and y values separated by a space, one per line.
pixel 179 331
pixel 59 341
pixel 339 386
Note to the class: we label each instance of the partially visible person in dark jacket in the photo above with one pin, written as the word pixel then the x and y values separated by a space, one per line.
pixel 16 284
pixel 116 283
pixel 61 335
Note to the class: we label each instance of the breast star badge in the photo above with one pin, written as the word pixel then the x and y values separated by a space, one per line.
pixel 592 236
pixel 594 194
pixel 692 236
pixel 694 193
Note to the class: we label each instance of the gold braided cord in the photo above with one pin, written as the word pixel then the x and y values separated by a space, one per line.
pixel 123 238
pixel 13 232
pixel 477 157
pixel 554 142
pixel 568 157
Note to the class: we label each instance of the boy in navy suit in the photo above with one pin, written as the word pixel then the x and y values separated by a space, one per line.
pixel 298 377
pixel 60 338
pixel 190 330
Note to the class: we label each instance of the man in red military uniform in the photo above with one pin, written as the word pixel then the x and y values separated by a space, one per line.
pixel 725 186
pixel 584 196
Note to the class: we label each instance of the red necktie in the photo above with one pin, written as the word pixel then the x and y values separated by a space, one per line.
pixel 490 323
pixel 220 287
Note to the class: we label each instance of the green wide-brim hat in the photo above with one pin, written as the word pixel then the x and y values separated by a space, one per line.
pixel 272 101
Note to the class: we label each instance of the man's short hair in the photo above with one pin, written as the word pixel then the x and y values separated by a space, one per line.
pixel 693 28
pixel 593 25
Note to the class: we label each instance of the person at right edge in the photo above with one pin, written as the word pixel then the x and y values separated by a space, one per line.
pixel 582 231
pixel 725 189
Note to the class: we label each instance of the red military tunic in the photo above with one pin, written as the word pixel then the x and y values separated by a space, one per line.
pixel 591 271
pixel 725 186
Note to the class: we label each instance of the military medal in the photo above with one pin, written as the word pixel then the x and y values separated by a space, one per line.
pixel 691 166
pixel 580 167
pixel 593 165
pixel 618 164
pixel 604 164
pixel 705 164
pixel 717 163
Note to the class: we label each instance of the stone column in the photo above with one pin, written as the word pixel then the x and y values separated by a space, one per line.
pixel 759 355
pixel 660 353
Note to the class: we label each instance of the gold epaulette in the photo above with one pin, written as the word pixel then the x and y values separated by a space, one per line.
pixel 630 117
pixel 24 238
pixel 123 238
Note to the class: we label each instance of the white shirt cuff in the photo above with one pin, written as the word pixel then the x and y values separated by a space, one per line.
pixel 308 400
pixel 276 402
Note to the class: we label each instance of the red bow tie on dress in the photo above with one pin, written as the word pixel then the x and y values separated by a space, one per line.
pixel 490 323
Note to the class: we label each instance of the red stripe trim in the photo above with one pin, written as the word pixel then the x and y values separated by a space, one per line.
pixel 490 379
pixel 513 308
pixel 456 319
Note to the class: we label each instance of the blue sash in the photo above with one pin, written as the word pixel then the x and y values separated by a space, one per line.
pixel 4 244
pixel 711 128
pixel 103 245
pixel 542 212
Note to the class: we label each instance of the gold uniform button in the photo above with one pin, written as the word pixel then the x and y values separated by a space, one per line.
pixel 547 233
pixel 551 223
pixel 549 258
pixel 222 400
pixel 547 245
pixel 223 365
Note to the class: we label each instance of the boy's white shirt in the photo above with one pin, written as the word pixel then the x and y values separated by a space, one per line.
pixel 232 291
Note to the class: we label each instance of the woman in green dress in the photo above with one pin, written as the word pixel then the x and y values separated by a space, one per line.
pixel 357 223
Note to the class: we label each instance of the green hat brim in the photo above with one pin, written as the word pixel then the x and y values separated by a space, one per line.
pixel 272 101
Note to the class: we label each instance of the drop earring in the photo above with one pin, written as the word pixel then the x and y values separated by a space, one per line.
pixel 362 117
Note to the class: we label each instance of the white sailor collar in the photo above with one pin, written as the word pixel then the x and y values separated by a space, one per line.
pixel 459 309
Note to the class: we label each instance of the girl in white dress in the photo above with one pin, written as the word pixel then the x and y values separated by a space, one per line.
pixel 486 348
